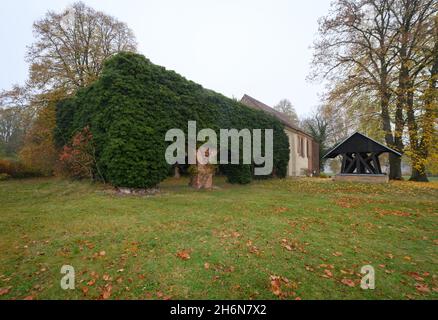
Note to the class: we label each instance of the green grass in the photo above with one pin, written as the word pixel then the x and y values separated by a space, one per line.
pixel 431 179
pixel 312 232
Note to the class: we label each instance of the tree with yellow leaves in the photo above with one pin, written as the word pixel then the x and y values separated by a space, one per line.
pixel 69 51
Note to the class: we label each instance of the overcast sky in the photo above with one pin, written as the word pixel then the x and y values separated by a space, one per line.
pixel 258 47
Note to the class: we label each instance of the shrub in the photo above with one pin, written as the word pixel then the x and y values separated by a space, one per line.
pixel 14 169
pixel 4 176
pixel 77 160
pixel 238 173
pixel 323 175
pixel 133 104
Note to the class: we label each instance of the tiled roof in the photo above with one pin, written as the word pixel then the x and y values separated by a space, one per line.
pixel 254 103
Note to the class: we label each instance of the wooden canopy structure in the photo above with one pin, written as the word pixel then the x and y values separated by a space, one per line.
pixel 360 155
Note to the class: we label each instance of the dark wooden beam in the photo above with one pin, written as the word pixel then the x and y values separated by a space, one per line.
pixel 344 163
pixel 377 163
pixel 351 165
pixel 366 161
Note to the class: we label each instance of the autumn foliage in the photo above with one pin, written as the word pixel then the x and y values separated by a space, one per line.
pixel 77 159
pixel 15 169
pixel 38 152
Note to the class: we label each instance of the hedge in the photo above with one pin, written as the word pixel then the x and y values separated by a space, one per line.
pixel 133 104
pixel 16 170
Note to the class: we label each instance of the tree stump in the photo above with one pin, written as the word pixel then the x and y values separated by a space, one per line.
pixel 202 172
pixel 177 173
pixel 202 176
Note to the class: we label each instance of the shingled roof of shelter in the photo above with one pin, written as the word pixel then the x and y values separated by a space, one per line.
pixel 358 142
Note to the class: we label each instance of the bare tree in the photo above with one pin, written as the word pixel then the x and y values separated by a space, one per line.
pixel 318 127
pixel 286 107
pixel 356 47
pixel 384 51
pixel 71 47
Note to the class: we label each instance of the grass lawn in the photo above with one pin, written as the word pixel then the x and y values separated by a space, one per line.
pixel 274 239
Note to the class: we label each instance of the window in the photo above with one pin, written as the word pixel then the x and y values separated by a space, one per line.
pixel 301 147
pixel 307 147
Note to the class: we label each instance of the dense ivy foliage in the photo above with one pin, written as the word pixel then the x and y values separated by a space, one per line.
pixel 133 104
pixel 237 173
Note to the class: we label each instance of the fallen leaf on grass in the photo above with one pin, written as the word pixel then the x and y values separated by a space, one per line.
pixel 252 249
pixel 278 282
pixel 293 245
pixel 337 254
pixel 106 277
pixel 106 292
pixel 327 274
pixel 348 202
pixel 85 290
pixel 309 268
pixel 276 286
pixel 396 213
pixel 235 234
pixel 348 282
pixel 280 210
pixel 4 291
pixel 416 276
pixel 183 255
pixel 389 271
pixel 206 266
pixel 422 288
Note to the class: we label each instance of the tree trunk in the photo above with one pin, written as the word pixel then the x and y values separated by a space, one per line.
pixel 391 141
pixel 419 174
pixel 202 176
pixel 394 167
